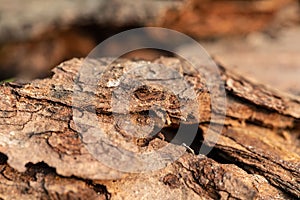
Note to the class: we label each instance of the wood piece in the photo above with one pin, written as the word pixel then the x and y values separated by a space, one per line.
pixel 43 155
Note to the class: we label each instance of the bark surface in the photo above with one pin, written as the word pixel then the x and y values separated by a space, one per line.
pixel 47 125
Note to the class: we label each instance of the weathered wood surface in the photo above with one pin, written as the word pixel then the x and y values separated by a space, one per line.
pixel 44 157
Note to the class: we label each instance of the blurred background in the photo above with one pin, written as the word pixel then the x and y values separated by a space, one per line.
pixel 259 39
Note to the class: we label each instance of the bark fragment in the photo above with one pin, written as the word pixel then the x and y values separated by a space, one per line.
pixel 255 157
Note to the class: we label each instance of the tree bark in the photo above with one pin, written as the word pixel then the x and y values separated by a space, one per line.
pixel 44 155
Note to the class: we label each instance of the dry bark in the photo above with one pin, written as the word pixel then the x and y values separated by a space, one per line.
pixel 44 156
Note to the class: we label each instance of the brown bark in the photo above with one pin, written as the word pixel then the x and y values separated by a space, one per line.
pixel 43 156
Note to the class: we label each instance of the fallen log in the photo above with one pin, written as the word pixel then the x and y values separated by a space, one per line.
pixel 48 125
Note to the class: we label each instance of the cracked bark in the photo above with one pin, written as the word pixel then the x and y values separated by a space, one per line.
pixel 44 156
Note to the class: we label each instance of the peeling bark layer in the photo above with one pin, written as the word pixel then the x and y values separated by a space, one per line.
pixel 43 155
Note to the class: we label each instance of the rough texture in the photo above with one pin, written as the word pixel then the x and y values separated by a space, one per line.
pixel 43 155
